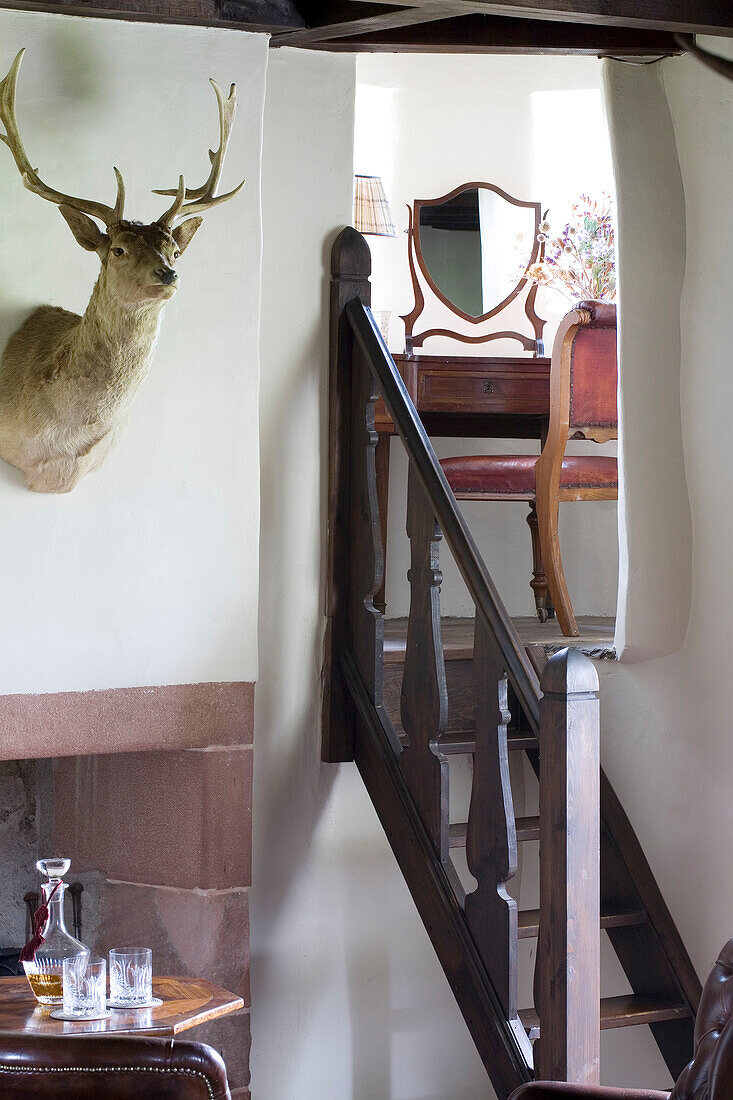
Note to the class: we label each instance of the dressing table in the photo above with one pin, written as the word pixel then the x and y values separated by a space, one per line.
pixel 460 395
pixel 467 252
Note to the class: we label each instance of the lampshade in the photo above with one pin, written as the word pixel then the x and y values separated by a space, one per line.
pixel 371 209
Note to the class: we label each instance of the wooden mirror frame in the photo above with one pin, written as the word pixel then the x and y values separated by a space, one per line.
pixel 415 253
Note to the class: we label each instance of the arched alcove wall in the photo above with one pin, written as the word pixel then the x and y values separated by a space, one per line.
pixel 655 533
pixel 666 723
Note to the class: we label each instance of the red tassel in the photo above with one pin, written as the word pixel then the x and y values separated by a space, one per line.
pixel 40 917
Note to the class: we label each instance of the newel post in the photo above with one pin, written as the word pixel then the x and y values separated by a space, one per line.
pixel 567 974
pixel 351 266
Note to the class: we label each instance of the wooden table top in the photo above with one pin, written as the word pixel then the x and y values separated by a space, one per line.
pixel 187 1002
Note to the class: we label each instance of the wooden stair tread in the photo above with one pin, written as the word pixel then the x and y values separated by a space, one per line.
pixel 611 917
pixel 459 742
pixel 521 739
pixel 595 638
pixel 528 828
pixel 627 1011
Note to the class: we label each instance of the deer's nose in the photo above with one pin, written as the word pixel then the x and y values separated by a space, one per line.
pixel 166 275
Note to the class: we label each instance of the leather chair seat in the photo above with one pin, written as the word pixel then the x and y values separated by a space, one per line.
pixel 514 475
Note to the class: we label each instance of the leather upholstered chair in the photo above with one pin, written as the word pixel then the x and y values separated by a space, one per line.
pixel 583 381
pixel 709 1076
pixel 109 1067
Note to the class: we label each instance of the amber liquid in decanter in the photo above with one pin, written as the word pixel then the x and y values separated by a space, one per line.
pixel 48 988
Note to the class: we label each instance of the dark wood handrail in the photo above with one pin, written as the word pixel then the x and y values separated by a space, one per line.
pixel 449 516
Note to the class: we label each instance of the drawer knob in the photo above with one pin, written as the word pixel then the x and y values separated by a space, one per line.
pixel 488 386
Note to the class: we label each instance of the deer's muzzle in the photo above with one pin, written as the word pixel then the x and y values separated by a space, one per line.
pixel 166 275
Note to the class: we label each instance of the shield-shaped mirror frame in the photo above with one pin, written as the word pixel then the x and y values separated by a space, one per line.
pixel 415 253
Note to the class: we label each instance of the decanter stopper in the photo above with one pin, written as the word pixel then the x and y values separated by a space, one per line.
pixel 53 868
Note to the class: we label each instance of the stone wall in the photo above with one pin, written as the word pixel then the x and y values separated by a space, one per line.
pixel 25 798
pixel 162 843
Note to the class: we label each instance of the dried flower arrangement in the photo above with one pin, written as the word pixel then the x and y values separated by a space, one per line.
pixel 580 261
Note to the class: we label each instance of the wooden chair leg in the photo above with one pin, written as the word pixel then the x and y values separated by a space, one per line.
pixel 538 584
pixel 547 512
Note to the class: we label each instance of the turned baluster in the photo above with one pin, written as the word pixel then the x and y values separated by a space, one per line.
pixel 567 974
pixel 424 700
pixel 491 842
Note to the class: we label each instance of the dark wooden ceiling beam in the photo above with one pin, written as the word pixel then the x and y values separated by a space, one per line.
pixel 509 26
pixel 682 16
pixel 247 15
pixel 489 34
pixel 345 20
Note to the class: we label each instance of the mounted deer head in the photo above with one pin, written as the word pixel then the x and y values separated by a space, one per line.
pixel 66 381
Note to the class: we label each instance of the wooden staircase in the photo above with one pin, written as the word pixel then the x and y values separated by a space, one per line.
pixel 630 899
pixel 404 713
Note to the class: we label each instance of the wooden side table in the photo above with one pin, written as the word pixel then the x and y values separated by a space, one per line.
pixel 187 1002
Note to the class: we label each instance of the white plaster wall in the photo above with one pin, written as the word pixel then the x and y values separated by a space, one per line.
pixel 535 127
pixel 147 573
pixel 348 997
pixel 654 511
pixel 666 723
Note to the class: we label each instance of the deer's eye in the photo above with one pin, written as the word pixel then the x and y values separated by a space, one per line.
pixel 118 251
pixel 176 255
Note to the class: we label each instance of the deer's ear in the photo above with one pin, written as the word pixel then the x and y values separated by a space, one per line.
pixel 86 232
pixel 183 233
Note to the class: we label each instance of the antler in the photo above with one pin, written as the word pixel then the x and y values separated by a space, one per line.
pixel 205 197
pixel 110 215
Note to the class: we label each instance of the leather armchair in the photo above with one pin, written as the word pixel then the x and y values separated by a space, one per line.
pixel 555 1090
pixel 709 1076
pixel 114 1067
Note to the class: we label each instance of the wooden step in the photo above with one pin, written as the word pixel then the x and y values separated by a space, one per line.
pixel 626 1011
pixel 528 828
pixel 611 917
pixel 595 638
pixel 460 742
pixel 521 739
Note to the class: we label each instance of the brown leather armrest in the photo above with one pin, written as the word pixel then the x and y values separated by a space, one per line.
pixel 554 1090
pixel 113 1067
pixel 721 1069
pixel 710 1073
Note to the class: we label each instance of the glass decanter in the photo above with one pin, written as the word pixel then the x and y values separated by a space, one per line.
pixel 45 970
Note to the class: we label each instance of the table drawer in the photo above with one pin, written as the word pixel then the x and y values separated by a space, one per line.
pixel 477 391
